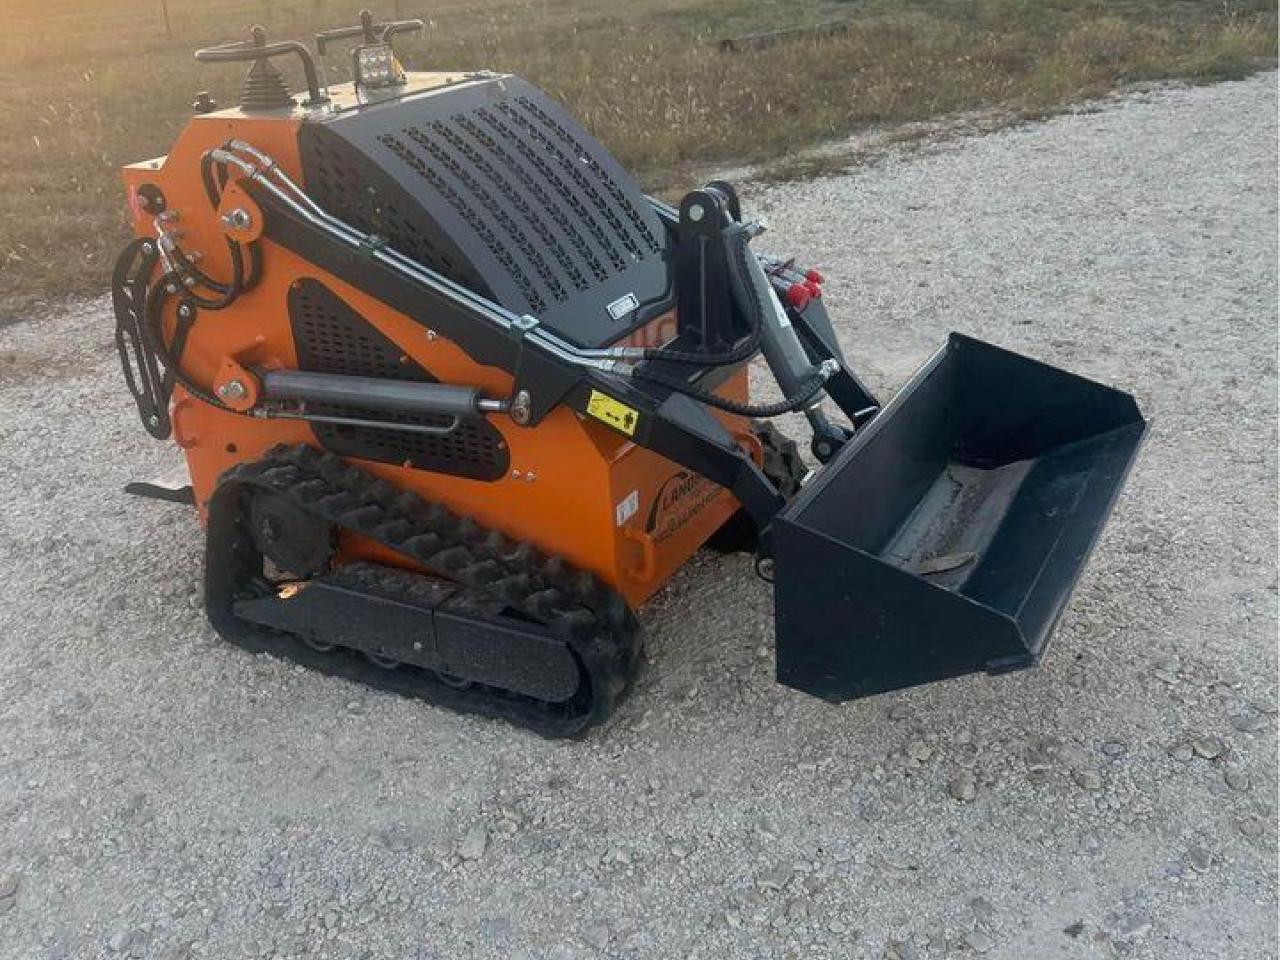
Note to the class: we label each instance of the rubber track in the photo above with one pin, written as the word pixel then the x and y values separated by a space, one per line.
pixel 589 616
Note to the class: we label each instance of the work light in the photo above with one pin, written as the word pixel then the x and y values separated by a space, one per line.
pixel 376 66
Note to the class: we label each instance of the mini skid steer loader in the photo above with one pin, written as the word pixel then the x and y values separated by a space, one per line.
pixel 456 397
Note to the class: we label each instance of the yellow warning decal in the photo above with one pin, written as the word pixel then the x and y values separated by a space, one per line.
pixel 613 412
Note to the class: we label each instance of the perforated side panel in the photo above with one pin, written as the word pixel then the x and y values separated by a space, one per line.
pixel 330 337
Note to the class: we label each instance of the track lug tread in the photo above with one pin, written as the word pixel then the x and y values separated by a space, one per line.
pixel 423 545
pixel 588 615
pixel 309 490
pixel 396 530
pixel 543 602
pixel 512 588
pixel 281 476
pixel 481 572
pixel 452 560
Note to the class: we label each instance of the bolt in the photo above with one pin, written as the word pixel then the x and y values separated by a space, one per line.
pixel 417 644
pixel 147 248
pixel 170 288
pixel 530 477
pixel 764 567
pixel 521 408
pixel 184 311
pixel 188 281
pixel 237 219
pixel 233 390
pixel 697 212
pixel 431 334
pixel 153 421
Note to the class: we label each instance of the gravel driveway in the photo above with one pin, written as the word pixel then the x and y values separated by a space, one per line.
pixel 163 795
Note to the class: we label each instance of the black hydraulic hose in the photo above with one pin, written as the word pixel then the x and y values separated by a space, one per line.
pixel 255 268
pixel 211 186
pixel 214 178
pixel 187 267
pixel 242 281
pixel 153 336
pixel 806 390
pixel 213 193
pixel 227 292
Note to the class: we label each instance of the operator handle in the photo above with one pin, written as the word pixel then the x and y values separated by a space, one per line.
pixel 369 31
pixel 257 48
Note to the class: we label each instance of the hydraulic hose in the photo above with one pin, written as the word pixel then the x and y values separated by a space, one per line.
pixel 214 178
pixel 153 337
pixel 227 292
pixel 806 389
pixel 212 186
pixel 264 170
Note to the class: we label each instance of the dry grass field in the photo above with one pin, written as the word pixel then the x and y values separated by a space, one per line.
pixel 87 85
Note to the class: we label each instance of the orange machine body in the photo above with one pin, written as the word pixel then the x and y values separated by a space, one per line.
pixel 574 488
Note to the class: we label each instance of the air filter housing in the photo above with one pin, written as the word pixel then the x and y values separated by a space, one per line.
pixel 494 185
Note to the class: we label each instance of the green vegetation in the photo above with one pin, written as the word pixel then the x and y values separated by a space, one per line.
pixel 88 85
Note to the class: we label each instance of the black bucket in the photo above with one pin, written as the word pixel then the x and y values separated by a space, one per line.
pixel 947 536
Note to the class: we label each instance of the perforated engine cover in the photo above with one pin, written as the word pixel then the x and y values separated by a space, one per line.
pixel 493 184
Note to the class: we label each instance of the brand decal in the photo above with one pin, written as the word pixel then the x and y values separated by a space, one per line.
pixel 679 500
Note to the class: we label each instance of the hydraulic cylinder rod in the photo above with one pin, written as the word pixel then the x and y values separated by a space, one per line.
pixel 377 393
pixel 779 342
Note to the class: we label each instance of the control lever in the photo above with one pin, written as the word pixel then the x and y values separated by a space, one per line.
pixel 259 51
pixel 368 31
pixel 373 62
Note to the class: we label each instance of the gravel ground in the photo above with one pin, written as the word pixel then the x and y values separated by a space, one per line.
pixel 163 795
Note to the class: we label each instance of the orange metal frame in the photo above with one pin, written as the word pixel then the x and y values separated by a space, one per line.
pixel 575 488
